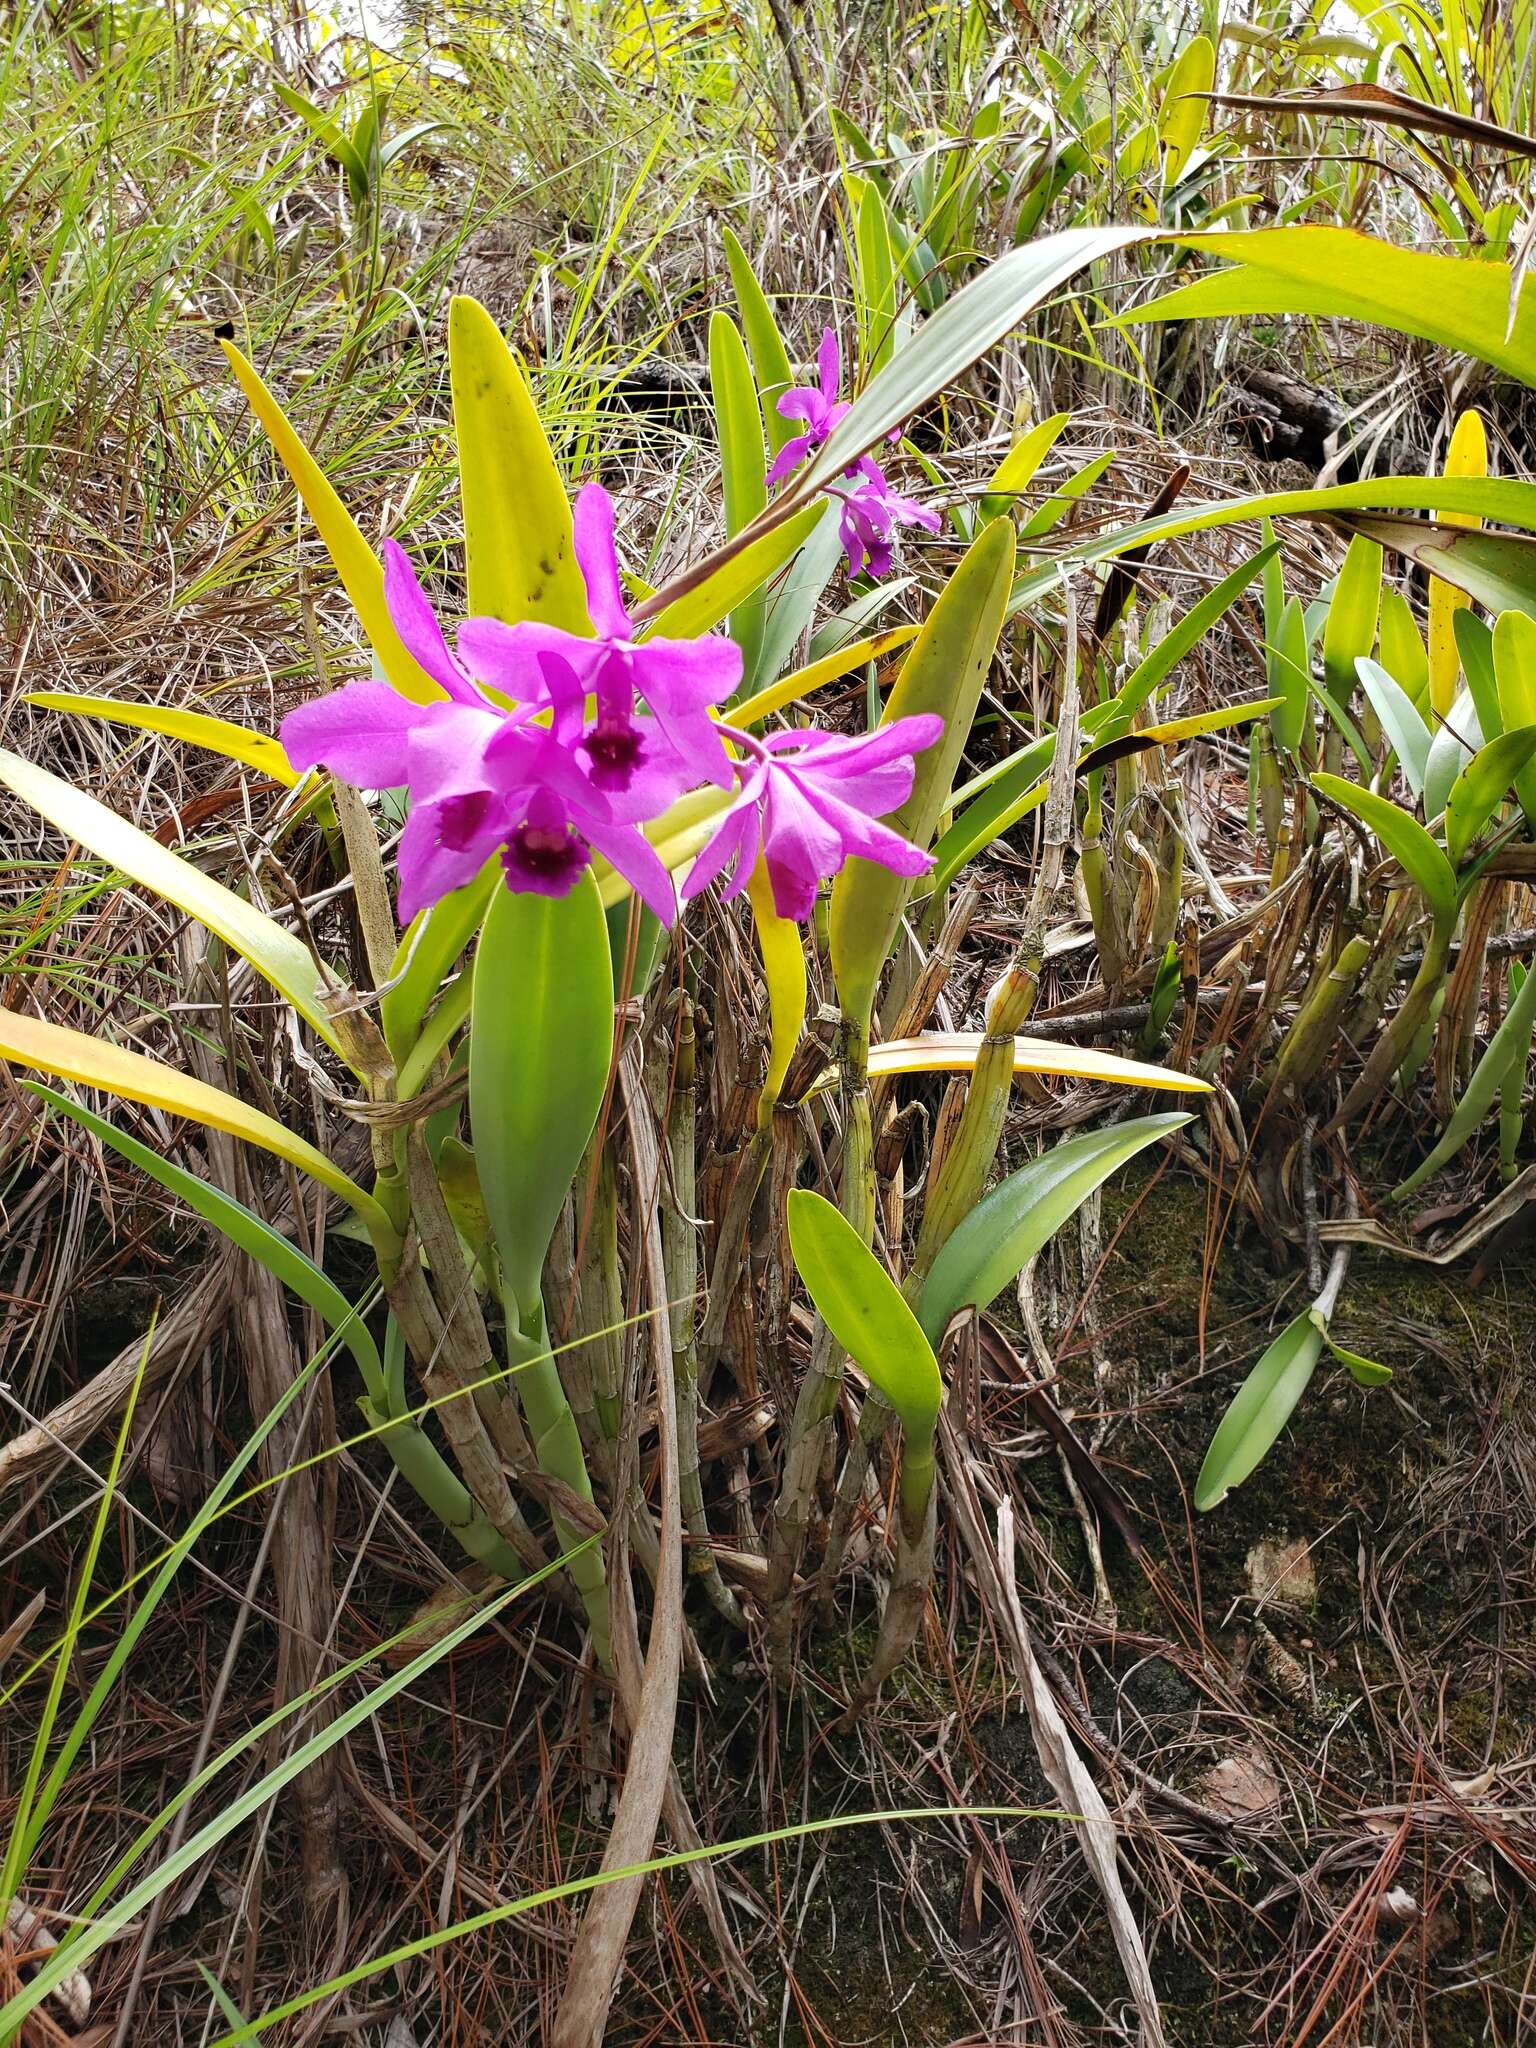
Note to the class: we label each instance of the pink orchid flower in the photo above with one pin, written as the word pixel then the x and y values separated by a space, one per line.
pixel 807 802
pixel 577 765
pixel 869 510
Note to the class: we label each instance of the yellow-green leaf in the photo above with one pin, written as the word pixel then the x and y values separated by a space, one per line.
pixel 93 1062
pixel 727 580
pixel 944 673
pixel 519 552
pixel 1182 117
pixel 276 954
pixel 1514 668
pixel 1466 456
pixel 953 1052
pixel 783 951
pixel 803 682
pixel 360 570
pixel 256 750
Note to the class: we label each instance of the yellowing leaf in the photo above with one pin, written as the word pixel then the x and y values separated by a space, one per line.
pixel 783 951
pixel 801 682
pixel 75 1056
pixel 361 572
pixel 1466 456
pixel 1182 117
pixel 283 959
pixel 256 750
pixel 520 556
pixel 952 1052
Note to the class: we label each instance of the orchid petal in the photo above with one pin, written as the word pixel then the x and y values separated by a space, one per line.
pixel 599 562
pixel 360 732
pixel 416 622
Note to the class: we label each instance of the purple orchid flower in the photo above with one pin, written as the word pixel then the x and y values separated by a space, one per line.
pixel 575 767
pixel 869 514
pixel 678 680
pixel 533 781
pixel 807 801
pixel 817 405
pixel 870 511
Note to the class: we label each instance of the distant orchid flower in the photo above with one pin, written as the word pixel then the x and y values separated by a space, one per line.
pixel 807 801
pixel 603 734
pixel 817 404
pixel 869 514
pixel 869 510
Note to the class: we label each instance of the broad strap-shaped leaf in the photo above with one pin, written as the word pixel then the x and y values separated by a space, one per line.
pixel 944 673
pixel 519 551
pixel 1403 837
pixel 739 431
pixel 1400 721
pixel 1339 273
pixel 1454 744
pixel 770 359
pixel 256 750
pixel 954 1052
pixel 783 951
pixel 1261 1408
pixel 997 1240
pixel 701 598
pixel 959 334
pixel 1514 669
pixel 864 1309
pixel 94 1063
pixel 1290 664
pixel 1350 628
pixel 1494 569
pixel 243 1227
pixel 1467 455
pixel 1181 119
pixel 1480 788
pixel 1403 654
pixel 540 1045
pixel 1509 1049
pixel 282 959
pixel 1474 643
pixel 360 570
pixel 1016 471
pixel 804 682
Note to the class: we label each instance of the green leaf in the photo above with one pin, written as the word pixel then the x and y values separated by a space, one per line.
pixel 1474 648
pixel 1479 789
pixel 743 465
pixel 283 960
pixel 1400 721
pixel 1514 669
pixel 727 580
pixel 1261 1408
pixel 519 552
pixel 997 1240
pixel 1291 678
pixel 255 1237
pixel 1017 469
pixel 1457 738
pixel 1190 630
pixel 944 673
pixel 1510 1047
pixel 863 1308
pixel 949 341
pixel 540 1043
pixel 1350 630
pixel 1404 838
pixel 1181 120
pixel 360 570
pixel 1365 1372
pixel 1337 273
pixel 1496 569
pixel 770 359
pixel 1403 653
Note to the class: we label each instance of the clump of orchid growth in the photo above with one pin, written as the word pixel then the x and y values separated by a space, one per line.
pixel 579 765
